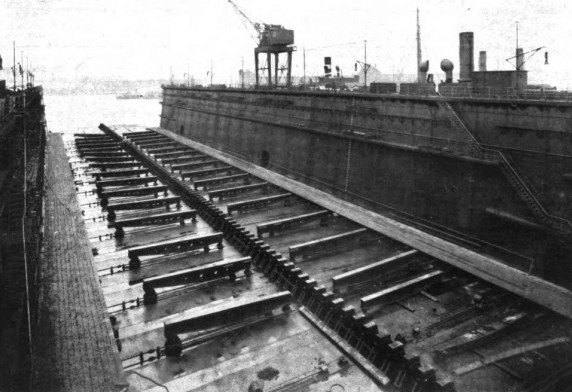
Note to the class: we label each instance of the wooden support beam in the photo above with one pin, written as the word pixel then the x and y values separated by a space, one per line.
pixel 221 180
pixel 186 156
pixel 199 274
pixel 194 165
pixel 402 290
pixel 174 246
pixel 226 313
pixel 272 227
pixel 87 136
pixel 155 219
pixel 221 193
pixel 509 353
pixel 119 173
pixel 208 172
pixel 143 204
pixel 483 266
pixel 256 204
pixel 139 191
pixel 99 149
pixel 328 244
pixel 126 181
pixel 174 154
pixel 107 154
pixel 175 147
pixel 109 158
pixel 157 144
pixel 140 133
pixel 95 144
pixel 115 164
pixel 367 272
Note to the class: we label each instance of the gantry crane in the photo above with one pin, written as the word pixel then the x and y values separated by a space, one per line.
pixel 271 39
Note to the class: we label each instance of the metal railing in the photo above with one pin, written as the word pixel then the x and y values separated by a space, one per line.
pixel 453 91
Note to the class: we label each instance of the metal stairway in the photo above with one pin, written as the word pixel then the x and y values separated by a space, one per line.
pixel 555 223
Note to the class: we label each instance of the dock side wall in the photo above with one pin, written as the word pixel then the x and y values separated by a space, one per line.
pixel 415 177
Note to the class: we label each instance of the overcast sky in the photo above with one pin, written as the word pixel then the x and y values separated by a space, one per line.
pixel 143 39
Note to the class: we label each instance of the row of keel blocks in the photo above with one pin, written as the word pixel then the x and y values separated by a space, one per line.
pixel 389 356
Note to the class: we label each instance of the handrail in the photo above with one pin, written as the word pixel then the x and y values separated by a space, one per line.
pixel 557 223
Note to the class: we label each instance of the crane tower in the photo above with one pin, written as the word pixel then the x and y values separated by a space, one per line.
pixel 271 40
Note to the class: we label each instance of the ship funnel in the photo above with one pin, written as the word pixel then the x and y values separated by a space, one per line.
pixel 519 59
pixel 447 66
pixel 466 56
pixel 482 61
pixel 327 67
pixel 423 68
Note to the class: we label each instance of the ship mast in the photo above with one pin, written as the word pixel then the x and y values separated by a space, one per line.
pixel 419 78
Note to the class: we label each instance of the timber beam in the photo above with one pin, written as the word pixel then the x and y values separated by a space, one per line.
pixel 203 273
pixel 139 191
pixel 221 180
pixel 228 313
pixel 156 219
pixel 173 246
pixel 125 181
pixel 402 290
pixel 119 173
pixel 142 204
pixel 379 268
pixel 263 202
pixel 238 190
pixel 209 172
pixel 329 244
pixel 194 165
pixel 272 227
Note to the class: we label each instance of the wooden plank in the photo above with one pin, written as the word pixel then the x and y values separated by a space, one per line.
pixel 194 165
pixel 221 180
pixel 508 354
pixel 290 222
pixel 486 267
pixel 221 193
pixel 155 219
pixel 359 274
pixel 126 181
pixel 226 313
pixel 207 172
pixel 327 244
pixel 198 274
pixel 186 156
pixel 258 203
pixel 399 291
pixel 119 173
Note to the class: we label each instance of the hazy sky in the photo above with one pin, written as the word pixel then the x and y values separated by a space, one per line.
pixel 143 39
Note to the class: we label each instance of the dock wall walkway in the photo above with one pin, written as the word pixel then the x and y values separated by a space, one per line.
pixel 73 345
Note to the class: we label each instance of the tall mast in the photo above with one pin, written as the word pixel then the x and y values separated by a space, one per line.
pixel 418 48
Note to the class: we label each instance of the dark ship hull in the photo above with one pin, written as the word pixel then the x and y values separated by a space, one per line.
pixel 489 175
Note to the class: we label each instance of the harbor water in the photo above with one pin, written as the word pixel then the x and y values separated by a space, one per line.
pixel 83 113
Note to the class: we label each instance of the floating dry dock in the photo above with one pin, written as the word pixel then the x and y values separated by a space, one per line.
pixel 223 279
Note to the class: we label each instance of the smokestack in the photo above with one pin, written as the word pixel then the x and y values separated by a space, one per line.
pixel 482 61
pixel 327 67
pixel 466 56
pixel 519 59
